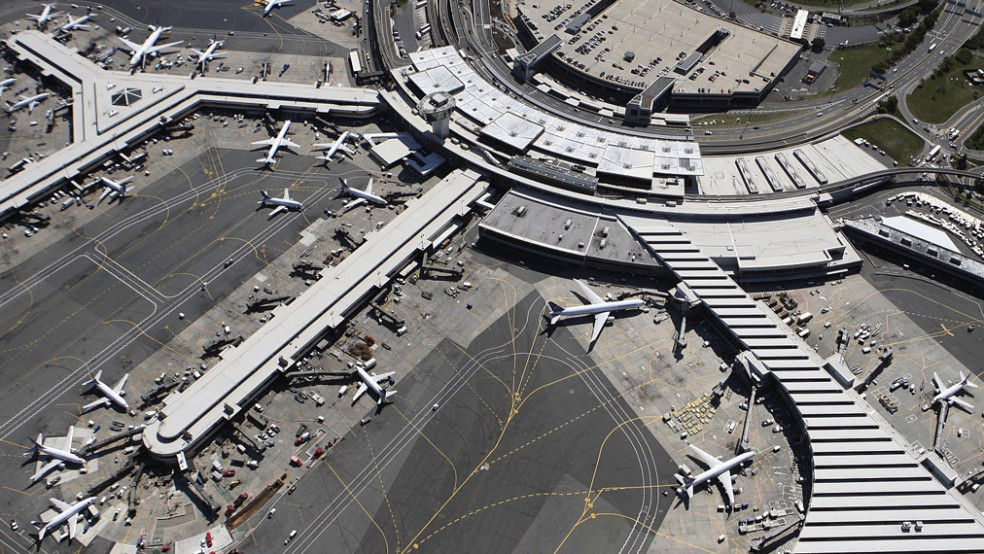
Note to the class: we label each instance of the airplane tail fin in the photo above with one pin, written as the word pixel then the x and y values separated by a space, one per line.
pixel 554 314
pixel 93 381
pixel 35 445
pixel 266 195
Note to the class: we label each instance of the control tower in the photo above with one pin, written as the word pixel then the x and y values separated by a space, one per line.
pixel 436 108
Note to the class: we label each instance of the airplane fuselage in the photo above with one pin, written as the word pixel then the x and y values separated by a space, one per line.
pixel 950 392
pixel 60 454
pixel 714 472
pixel 111 395
pixel 64 516
pixel 591 309
pixel 27 102
pixel 138 56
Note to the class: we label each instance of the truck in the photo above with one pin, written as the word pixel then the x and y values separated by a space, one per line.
pixel 804 317
pixel 933 153
pixel 932 47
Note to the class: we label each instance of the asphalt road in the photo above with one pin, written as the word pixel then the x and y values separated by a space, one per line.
pixel 212 15
pixel 528 451
pixel 107 297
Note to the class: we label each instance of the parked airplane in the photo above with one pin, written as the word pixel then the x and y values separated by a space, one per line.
pixel 275 143
pixel 717 469
pixel 116 188
pixel 148 49
pixel 112 396
pixel 334 147
pixel 370 382
pixel 282 204
pixel 270 4
pixel 45 17
pixel 29 102
pixel 58 455
pixel 208 55
pixel 598 307
pixel 5 84
pixel 74 24
pixel 949 394
pixel 68 513
pixel 361 196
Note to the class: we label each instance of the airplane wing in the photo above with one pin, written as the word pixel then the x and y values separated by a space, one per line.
pixel 131 46
pixel 728 485
pixel 60 504
pixel 267 142
pixel 106 192
pixel 289 143
pixel 45 469
pixel 286 194
pixel 73 523
pixel 369 186
pixel 347 150
pixel 357 202
pixel 118 389
pixel 358 394
pixel 276 211
pixel 198 54
pixel 102 402
pixel 599 324
pixel 938 382
pixel 962 403
pixel 156 49
pixel 590 294
pixel 68 439
pixel 711 461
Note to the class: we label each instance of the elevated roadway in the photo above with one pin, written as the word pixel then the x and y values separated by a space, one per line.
pixel 100 128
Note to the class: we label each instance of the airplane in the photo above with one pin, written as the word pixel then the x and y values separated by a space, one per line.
pixel 361 196
pixel 58 455
pixel 148 49
pixel 275 143
pixel 112 396
pixel 116 188
pixel 5 84
pixel 948 395
pixel 598 307
pixel 209 54
pixel 45 16
pixel 282 204
pixel 334 147
pixel 717 469
pixel 370 382
pixel 74 24
pixel 68 513
pixel 27 102
pixel 270 4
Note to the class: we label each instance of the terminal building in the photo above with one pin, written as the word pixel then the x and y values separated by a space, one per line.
pixel 618 51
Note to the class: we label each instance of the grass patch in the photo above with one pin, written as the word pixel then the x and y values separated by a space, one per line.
pixel 855 63
pixel 976 141
pixel 731 121
pixel 939 97
pixel 895 139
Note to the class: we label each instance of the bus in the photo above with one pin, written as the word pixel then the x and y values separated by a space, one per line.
pixel 932 47
pixel 354 61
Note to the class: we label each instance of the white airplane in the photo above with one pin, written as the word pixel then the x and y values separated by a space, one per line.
pixel 29 102
pixel 45 16
pixel 282 204
pixel 148 49
pixel 598 307
pixel 270 4
pixel 949 394
pixel 275 143
pixel 116 188
pixel 58 455
pixel 208 55
pixel 68 513
pixel 370 382
pixel 112 396
pixel 74 24
pixel 717 469
pixel 361 196
pixel 5 84
pixel 333 147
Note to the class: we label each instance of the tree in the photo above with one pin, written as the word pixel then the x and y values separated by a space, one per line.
pixel 889 105
pixel 818 45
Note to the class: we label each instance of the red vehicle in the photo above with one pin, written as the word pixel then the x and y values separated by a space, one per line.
pixel 295 461
pixel 229 473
